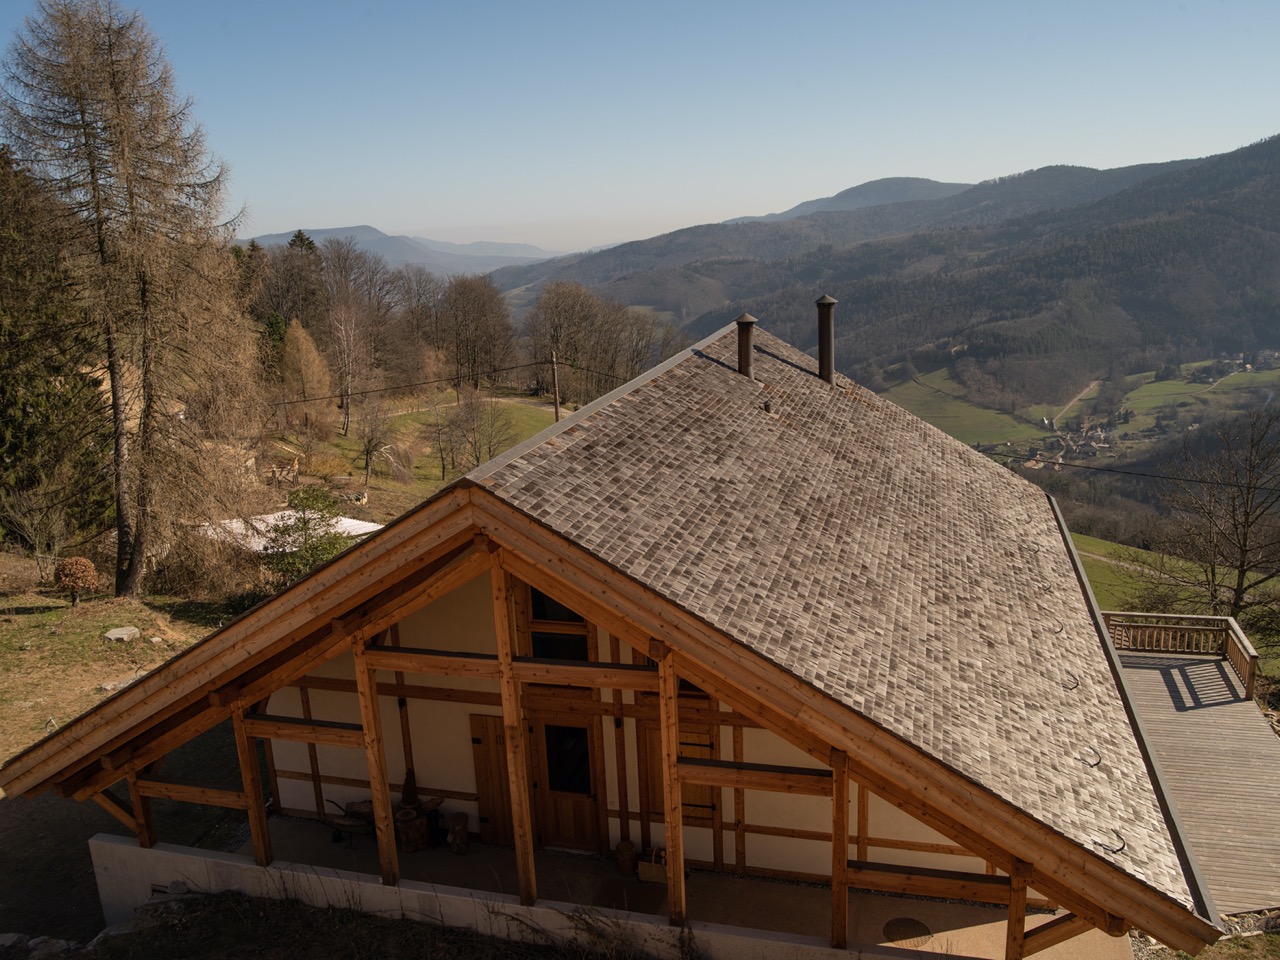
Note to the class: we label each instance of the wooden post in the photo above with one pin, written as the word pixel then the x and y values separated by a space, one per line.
pixel 864 817
pixel 251 781
pixel 620 751
pixel 839 849
pixel 145 824
pixel 739 808
pixel 371 721
pixel 673 815
pixel 313 757
pixel 402 703
pixel 1016 931
pixel 514 734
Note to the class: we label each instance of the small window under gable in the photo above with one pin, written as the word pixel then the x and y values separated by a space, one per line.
pixel 557 633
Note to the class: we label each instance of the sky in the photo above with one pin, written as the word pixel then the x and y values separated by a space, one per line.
pixel 570 125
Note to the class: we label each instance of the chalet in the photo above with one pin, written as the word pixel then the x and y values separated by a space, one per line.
pixel 741 610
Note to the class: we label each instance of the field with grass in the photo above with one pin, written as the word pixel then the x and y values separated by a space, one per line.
pixel 1112 574
pixel 936 398
pixel 340 462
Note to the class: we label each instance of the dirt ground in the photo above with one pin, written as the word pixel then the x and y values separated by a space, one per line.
pixel 53 666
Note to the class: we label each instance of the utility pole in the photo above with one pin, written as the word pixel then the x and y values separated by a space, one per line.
pixel 555 385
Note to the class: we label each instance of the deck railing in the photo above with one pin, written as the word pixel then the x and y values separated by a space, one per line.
pixel 1177 633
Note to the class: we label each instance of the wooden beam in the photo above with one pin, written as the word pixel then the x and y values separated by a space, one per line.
pixel 333 733
pixel 739 807
pixel 514 734
pixel 313 755
pixel 380 793
pixel 469 564
pixel 569 673
pixel 1015 929
pixel 402 708
pixel 401 550
pixel 620 751
pixel 109 802
pixel 438 662
pixel 864 817
pixel 186 792
pixel 839 850
pixel 755 776
pixel 145 825
pixel 1056 931
pixel 1070 873
pixel 927 882
pixel 446 572
pixel 673 815
pixel 251 780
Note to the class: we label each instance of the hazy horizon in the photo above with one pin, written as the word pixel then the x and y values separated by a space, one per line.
pixel 570 126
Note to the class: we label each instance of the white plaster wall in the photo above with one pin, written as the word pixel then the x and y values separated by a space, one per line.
pixel 462 621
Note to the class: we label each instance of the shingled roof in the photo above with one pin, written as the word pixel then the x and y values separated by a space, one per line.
pixel 883 563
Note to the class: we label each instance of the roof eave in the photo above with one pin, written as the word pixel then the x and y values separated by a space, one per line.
pixel 1205 908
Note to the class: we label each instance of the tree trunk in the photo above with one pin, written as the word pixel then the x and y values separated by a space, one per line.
pixel 120 462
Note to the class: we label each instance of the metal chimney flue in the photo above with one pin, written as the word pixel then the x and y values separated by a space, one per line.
pixel 746 323
pixel 827 338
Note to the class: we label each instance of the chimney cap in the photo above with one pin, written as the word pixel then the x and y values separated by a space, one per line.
pixel 826 301
pixel 746 318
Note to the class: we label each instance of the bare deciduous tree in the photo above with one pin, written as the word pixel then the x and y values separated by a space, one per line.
pixel 478 324
pixel 601 343
pixel 1219 544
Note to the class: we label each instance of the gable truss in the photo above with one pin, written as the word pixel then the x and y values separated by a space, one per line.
pixel 351 609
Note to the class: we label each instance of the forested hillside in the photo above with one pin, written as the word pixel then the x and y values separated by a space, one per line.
pixel 1179 267
pixel 673 288
pixel 1028 286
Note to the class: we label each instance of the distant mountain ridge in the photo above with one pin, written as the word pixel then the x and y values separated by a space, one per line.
pixel 873 193
pixel 990 202
pixel 438 256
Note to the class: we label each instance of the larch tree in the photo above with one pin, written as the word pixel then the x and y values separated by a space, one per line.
pixel 90 108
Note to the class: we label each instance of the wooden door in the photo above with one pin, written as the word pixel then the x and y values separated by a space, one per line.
pixel 565 789
pixel 493 785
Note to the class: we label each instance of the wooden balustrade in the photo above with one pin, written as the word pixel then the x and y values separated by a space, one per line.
pixel 1185 633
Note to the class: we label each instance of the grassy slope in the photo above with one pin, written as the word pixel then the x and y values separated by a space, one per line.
pixel 935 397
pixel 54 664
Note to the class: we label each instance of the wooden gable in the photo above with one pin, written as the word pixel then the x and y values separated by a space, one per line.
pixel 466 532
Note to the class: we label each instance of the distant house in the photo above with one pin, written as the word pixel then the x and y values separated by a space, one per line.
pixel 752 615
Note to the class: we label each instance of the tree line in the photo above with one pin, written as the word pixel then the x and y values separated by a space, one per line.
pixel 149 361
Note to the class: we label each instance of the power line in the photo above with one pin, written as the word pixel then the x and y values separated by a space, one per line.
pixel 1135 473
pixel 453 379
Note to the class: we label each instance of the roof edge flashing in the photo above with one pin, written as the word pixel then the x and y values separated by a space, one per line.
pixel 1202 899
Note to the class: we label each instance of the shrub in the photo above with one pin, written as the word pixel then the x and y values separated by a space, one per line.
pixel 74 576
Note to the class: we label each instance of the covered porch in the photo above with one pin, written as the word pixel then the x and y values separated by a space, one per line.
pixel 729 916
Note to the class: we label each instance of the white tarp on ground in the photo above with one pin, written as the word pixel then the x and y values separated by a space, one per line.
pixel 252 533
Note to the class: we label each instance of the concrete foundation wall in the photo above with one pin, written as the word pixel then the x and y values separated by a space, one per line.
pixel 129 875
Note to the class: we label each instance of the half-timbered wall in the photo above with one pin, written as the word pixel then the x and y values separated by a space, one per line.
pixel 756 830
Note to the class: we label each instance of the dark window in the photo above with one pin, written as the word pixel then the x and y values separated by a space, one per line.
pixel 568 759
pixel 545 608
pixel 560 646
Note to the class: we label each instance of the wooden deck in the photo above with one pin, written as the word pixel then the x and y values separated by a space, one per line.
pixel 1221 763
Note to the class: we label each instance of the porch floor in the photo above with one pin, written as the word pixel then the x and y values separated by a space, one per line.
pixel 1221 763
pixel 950 929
